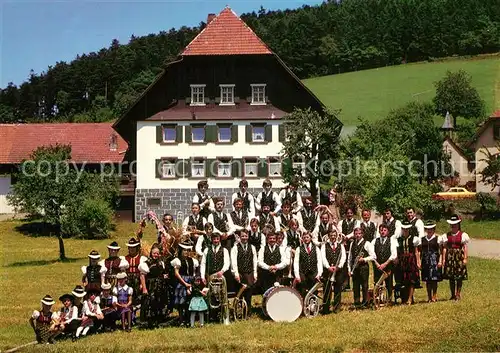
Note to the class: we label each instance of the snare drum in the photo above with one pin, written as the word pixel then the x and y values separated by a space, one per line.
pixel 282 304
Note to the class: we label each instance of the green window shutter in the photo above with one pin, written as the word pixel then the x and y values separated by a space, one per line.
pixel 158 168
pixel 187 134
pixel 186 170
pixel 211 133
pixel 286 166
pixel 178 134
pixel 210 168
pixel 159 134
pixel 268 133
pixel 262 168
pixel 234 133
pixel 281 132
pixel 236 168
pixel 248 133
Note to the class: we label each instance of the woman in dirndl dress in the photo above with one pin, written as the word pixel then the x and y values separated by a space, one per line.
pixel 455 256
pixel 185 269
pixel 431 269
pixel 154 289
pixel 42 321
pixel 408 263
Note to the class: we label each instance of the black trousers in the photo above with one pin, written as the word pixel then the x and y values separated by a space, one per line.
pixel 388 281
pixel 249 280
pixel 360 283
pixel 307 281
pixel 336 296
pixel 267 279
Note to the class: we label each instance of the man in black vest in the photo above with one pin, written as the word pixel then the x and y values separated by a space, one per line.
pixel 346 227
pixel 291 195
pixel 323 228
pixel 222 223
pixel 271 260
pixel 307 264
pixel 360 253
pixel 334 257
pixel 201 198
pixel 308 218
pixel 386 251
pixel 244 265
pixel 248 199
pixel 194 225
pixel 393 225
pixel 285 216
pixel 417 225
pixel 255 236
pixel 215 259
pixel 269 197
pixel 238 219
pixel 267 218
pixel 368 227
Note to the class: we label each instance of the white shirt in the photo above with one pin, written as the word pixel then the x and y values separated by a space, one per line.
pixel 185 224
pixel 176 263
pixel 262 238
pixel 230 224
pixel 91 309
pixel 128 289
pixel 279 266
pixel 296 260
pixel 123 265
pixel 298 200
pixel 251 199
pixel 326 264
pixel 234 259
pixel 276 199
pixel 225 266
pixel 55 315
pixel 114 299
pixel 211 205
pixel 369 249
pixel 69 314
pixel 419 224
pixel 144 268
pixel 444 238
pixel 397 224
pixel 394 248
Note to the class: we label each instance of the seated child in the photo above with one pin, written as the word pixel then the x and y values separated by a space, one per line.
pixel 68 316
pixel 107 304
pixel 92 314
pixel 41 321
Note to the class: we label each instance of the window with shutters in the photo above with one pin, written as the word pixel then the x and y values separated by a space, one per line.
pixel 224 134
pixel 168 169
pixel 274 167
pixel 258 94
pixel 198 169
pixel 251 167
pixel 226 95
pixel 169 134
pixel 198 133
pixel 224 168
pixel 299 165
pixel 258 133
pixel 198 94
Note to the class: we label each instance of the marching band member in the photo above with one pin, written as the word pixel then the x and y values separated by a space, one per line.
pixel 204 240
pixel 360 253
pixel 244 265
pixel 417 226
pixel 285 215
pixel 168 223
pixel 386 252
pixel 307 264
pixel 248 199
pixel 134 258
pixel 369 228
pixel 431 260
pixel 185 270
pixel 308 218
pixel 113 264
pixel 392 224
pixel 292 235
pixel 41 321
pixel 193 224
pixel 333 257
pixel 324 227
pixel 407 271
pixel 271 260
pixel 266 217
pixel 201 198
pixel 255 236
pixel 215 259
pixel 223 223
pixel 239 221
pixel 455 254
pixel 287 251
pixel 269 197
pixel 291 195
pixel 348 224
pixel 94 273
pixel 153 284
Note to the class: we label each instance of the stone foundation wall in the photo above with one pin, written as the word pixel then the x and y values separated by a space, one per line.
pixel 177 202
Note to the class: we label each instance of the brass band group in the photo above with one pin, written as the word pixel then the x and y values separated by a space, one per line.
pixel 274 244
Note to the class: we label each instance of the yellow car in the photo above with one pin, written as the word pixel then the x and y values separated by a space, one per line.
pixel 454 193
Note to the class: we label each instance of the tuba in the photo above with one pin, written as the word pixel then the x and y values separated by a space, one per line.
pixel 217 296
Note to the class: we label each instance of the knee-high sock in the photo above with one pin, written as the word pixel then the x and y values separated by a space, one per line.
pixel 202 318
pixel 85 330
pixel 79 331
pixel 193 316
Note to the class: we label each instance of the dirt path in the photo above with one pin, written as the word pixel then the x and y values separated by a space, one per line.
pixel 484 248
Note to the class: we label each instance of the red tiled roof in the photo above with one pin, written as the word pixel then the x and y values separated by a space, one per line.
pixel 226 34
pixel 90 142
pixel 496 114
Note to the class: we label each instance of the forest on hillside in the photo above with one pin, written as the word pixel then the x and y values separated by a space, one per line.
pixel 334 37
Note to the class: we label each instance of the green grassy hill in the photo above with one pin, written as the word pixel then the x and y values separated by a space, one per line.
pixel 371 94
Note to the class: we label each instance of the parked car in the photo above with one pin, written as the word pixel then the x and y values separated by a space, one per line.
pixel 454 193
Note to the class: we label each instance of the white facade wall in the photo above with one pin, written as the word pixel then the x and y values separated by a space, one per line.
pixel 5 189
pixel 485 142
pixel 148 150
pixel 459 163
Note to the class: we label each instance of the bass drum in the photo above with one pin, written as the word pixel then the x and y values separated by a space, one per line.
pixel 282 304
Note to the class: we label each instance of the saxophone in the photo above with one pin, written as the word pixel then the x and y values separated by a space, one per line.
pixel 217 296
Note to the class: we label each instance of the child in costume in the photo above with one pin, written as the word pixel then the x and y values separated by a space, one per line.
pixel 91 314
pixel 431 261
pixel 123 294
pixel 68 316
pixel 108 309
pixel 198 303
pixel 41 321
pixel 93 274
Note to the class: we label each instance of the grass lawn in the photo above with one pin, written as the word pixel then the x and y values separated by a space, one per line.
pixel 480 230
pixel 30 270
pixel 371 94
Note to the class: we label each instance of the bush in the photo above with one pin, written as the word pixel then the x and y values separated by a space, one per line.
pixel 489 209
pixel 91 219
